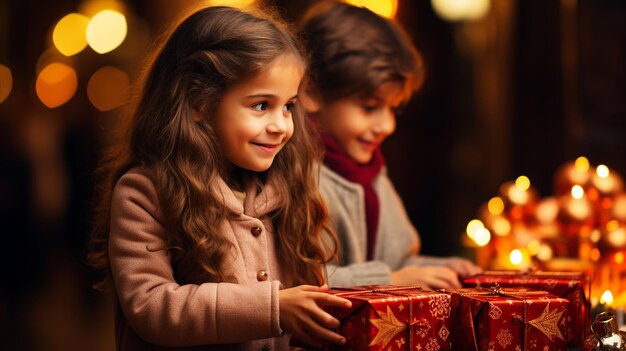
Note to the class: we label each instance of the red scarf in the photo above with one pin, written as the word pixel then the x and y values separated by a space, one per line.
pixel 337 160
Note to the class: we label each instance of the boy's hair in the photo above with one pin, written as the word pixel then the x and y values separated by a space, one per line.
pixel 353 51
pixel 209 52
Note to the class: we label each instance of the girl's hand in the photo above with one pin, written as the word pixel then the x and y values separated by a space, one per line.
pixel 463 267
pixel 302 316
pixel 428 277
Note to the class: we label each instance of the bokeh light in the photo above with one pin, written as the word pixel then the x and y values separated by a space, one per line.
pixel 6 82
pixel 472 227
pixel 581 164
pixel 232 3
pixel 602 171
pixel 459 10
pixel 386 8
pixel 106 31
pixel 482 236
pixel 56 84
pixel 495 206
pixel 108 88
pixel 91 7
pixel 578 192
pixel 607 297
pixel 69 35
pixel 522 183
pixel 501 226
pixel 516 257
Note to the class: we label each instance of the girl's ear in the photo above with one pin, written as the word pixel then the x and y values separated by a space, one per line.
pixel 309 98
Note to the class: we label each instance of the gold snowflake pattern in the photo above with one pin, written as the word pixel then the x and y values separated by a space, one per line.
pixel 550 283
pixel 432 345
pixel 439 306
pixel 547 323
pixel 494 311
pixel 388 327
pixel 444 333
pixel 422 327
pixel 400 343
pixel 504 337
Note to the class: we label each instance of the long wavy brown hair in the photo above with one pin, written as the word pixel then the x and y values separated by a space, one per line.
pixel 206 54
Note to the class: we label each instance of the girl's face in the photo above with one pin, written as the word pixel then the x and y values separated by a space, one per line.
pixel 253 120
pixel 359 125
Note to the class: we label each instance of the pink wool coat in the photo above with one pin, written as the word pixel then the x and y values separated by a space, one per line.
pixel 159 311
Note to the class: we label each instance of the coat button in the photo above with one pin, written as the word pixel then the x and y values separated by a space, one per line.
pixel 256 231
pixel 261 276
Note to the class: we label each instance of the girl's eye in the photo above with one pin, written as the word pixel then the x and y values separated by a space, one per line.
pixel 288 107
pixel 261 106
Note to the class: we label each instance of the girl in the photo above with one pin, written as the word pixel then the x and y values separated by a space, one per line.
pixel 210 221
pixel 363 69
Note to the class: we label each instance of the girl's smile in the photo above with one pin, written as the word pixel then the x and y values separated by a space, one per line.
pixel 253 120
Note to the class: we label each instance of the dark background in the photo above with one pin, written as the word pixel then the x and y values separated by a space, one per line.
pixel 534 84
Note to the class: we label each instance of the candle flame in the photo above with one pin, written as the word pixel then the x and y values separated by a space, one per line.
pixel 607 297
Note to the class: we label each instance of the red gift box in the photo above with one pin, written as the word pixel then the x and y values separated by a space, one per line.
pixel 384 317
pixel 507 319
pixel 574 286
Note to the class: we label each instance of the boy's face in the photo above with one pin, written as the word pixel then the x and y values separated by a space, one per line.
pixel 359 125
pixel 253 120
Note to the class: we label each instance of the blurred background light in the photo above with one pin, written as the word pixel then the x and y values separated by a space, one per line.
pixel 495 206
pixel 106 31
pixel 387 8
pixel 232 3
pixel 581 164
pixel 6 82
pixel 108 88
pixel 90 8
pixel 56 84
pixel 522 183
pixel 460 10
pixel 69 36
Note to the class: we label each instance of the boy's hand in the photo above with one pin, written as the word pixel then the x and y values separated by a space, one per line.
pixel 428 277
pixel 463 267
pixel 302 316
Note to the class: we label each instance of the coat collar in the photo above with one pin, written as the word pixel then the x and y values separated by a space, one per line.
pixel 260 198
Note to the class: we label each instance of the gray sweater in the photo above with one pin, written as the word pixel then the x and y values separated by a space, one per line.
pixel 397 240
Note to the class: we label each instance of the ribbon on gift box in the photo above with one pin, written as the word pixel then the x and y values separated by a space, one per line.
pixel 574 286
pixel 388 325
pixel 546 323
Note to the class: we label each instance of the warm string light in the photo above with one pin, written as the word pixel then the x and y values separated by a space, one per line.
pixel 582 227
pixel 385 8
